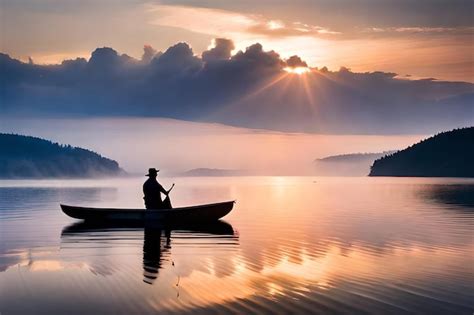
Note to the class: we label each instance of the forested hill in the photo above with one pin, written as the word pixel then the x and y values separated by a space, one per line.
pixel 448 154
pixel 31 157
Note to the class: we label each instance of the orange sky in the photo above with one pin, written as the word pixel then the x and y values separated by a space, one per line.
pixel 363 38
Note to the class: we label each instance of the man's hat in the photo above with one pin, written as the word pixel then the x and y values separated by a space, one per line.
pixel 152 171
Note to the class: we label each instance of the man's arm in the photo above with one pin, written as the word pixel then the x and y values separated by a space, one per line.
pixel 162 190
pixel 166 192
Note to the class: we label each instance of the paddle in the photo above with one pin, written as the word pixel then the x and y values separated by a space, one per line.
pixel 167 201
pixel 170 189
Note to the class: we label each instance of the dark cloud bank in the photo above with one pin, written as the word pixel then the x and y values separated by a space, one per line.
pixel 249 89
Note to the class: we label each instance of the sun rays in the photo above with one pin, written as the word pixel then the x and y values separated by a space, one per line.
pixel 297 87
pixel 302 72
pixel 284 83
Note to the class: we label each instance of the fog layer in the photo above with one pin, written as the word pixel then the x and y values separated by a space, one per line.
pixel 176 146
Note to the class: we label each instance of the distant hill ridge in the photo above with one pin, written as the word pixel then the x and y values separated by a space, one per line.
pixel 353 157
pixel 352 164
pixel 32 157
pixel 448 154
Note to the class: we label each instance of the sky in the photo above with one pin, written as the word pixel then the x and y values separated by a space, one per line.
pixel 265 85
pixel 252 88
pixel 419 38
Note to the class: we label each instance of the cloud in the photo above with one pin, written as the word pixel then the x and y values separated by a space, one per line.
pixel 422 32
pixel 221 51
pixel 257 58
pixel 177 58
pixel 231 24
pixel 409 36
pixel 295 61
pixel 202 20
pixel 248 89
pixel 246 26
pixel 278 29
pixel 349 14
pixel 148 53
pixel 336 34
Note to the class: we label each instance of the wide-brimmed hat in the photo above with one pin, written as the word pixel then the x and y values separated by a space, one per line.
pixel 152 171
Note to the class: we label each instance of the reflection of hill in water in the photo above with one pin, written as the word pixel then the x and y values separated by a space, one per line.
pixel 14 200
pixel 458 195
pixel 28 208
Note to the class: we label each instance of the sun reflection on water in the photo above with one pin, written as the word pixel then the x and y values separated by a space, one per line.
pixel 294 242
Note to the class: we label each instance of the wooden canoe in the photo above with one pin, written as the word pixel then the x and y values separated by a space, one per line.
pixel 200 213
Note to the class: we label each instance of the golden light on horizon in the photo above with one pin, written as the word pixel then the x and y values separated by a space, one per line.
pixel 297 70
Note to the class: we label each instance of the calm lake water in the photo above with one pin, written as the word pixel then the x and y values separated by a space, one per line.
pixel 291 245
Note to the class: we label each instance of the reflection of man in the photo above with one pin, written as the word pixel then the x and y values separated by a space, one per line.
pixel 152 191
pixel 152 252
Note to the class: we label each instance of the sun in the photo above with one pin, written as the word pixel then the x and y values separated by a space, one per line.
pixel 297 70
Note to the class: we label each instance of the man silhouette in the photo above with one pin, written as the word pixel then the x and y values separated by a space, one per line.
pixel 152 191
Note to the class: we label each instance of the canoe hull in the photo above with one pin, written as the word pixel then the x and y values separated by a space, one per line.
pixel 201 213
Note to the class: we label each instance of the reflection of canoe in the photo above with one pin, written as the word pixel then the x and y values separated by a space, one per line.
pixel 218 227
pixel 201 213
pixel 82 239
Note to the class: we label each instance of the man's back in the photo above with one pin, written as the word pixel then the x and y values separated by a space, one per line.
pixel 152 191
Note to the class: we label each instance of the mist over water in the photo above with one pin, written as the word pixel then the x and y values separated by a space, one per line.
pixel 176 146
pixel 291 245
